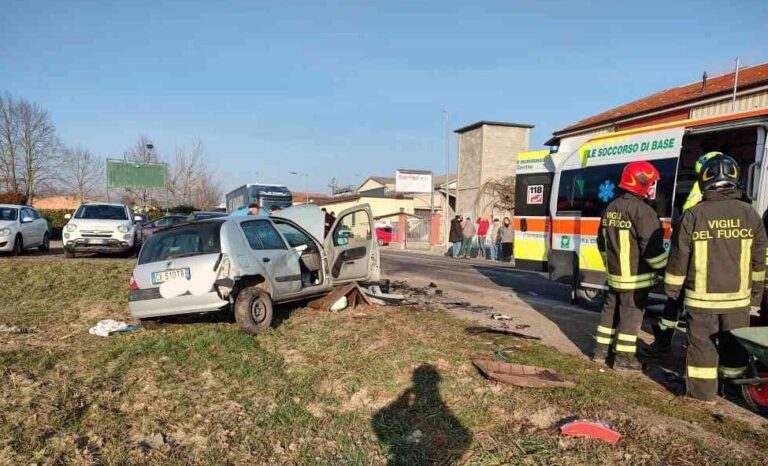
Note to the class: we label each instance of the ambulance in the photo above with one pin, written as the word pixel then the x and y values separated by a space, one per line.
pixel 533 185
pixel 587 179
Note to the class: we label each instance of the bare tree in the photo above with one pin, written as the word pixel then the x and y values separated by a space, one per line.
pixel 82 173
pixel 38 144
pixel 496 195
pixel 9 160
pixel 188 167
pixel 143 151
pixel 208 192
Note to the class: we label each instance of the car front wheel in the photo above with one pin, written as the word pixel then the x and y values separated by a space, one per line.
pixel 46 246
pixel 253 310
pixel 18 246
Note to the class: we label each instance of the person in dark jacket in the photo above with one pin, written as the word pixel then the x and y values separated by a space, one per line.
pixel 455 236
pixel 631 241
pixel 717 256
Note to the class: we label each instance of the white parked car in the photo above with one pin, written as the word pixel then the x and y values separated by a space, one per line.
pixel 251 262
pixel 22 227
pixel 102 228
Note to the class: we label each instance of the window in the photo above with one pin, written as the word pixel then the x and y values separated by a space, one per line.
pixel 27 213
pixel 532 194
pixel 101 212
pixel 587 191
pixel 189 240
pixel 8 213
pixel 262 235
pixel 294 236
pixel 353 227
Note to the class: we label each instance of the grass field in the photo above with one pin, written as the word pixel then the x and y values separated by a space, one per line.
pixel 366 386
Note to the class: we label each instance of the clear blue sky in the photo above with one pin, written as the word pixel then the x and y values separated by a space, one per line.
pixel 350 88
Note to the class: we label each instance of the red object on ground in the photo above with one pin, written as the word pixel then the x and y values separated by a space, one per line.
pixel 590 429
pixel 482 227
pixel 384 235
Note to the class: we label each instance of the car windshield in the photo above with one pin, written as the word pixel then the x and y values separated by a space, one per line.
pixel 9 213
pixel 102 212
pixel 189 240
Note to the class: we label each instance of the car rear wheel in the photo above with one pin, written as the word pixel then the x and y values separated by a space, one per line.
pixel 253 310
pixel 18 246
pixel 46 246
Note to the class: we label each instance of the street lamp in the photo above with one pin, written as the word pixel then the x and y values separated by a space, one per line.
pixel 306 184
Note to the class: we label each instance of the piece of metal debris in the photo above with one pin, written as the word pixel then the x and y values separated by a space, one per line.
pixel 520 375
pixel 589 428
pixel 15 329
pixel 500 317
pixel 502 330
pixel 351 291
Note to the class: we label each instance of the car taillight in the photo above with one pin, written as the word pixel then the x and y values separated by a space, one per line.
pixel 133 285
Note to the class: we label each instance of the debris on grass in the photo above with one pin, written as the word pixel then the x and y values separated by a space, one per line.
pixel 106 327
pixel 502 330
pixel 589 428
pixel 500 317
pixel 333 301
pixel 520 375
pixel 15 329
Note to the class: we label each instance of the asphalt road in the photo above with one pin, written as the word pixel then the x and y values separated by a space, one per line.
pixel 474 273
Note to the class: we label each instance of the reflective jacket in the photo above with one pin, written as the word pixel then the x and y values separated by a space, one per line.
pixel 631 241
pixel 718 254
pixel 694 197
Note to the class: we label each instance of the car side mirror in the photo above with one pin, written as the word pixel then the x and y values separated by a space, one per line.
pixel 67 216
pixel 27 219
pixel 300 248
pixel 138 218
pixel 342 241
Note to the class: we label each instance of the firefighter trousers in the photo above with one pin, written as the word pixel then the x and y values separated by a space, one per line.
pixel 713 351
pixel 671 315
pixel 620 321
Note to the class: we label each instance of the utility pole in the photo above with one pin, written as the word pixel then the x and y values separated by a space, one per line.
pixel 735 85
pixel 447 203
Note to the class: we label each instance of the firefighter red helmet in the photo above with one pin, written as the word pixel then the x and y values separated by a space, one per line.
pixel 639 177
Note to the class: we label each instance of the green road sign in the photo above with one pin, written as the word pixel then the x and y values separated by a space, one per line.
pixel 122 174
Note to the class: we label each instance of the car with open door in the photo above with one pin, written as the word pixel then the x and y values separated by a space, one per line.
pixel 249 263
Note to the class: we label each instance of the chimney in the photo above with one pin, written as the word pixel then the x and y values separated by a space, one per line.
pixel 704 82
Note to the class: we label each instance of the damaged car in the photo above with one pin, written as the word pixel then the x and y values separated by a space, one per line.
pixel 249 263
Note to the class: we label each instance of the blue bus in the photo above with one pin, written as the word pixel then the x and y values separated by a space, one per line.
pixel 265 195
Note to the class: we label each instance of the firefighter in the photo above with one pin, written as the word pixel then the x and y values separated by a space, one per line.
pixel 718 258
pixel 631 241
pixel 665 329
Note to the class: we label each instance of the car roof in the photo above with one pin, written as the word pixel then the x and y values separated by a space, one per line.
pixel 115 204
pixel 15 206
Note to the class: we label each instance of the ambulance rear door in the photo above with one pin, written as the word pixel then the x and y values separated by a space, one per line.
pixel 533 186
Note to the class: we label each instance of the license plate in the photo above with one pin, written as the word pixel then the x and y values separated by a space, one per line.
pixel 165 275
pixel 97 241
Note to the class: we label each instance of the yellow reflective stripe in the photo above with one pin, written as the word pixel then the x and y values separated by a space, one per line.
pixel 674 280
pixel 626 348
pixel 632 278
pixel 745 264
pixel 631 286
pixel 741 294
pixel 625 337
pixel 758 276
pixel 702 372
pixel 700 266
pixel 603 340
pixel 609 331
pixel 667 324
pixel 658 262
pixel 731 372
pixel 706 304
pixel 624 253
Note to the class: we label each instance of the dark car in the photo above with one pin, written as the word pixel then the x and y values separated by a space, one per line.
pixel 149 228
pixel 205 215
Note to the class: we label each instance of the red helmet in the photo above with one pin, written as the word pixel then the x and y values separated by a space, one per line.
pixel 639 178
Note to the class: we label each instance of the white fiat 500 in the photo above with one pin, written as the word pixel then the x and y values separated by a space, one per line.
pixel 102 228
pixel 251 262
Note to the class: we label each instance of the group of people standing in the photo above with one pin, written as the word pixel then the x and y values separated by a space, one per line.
pixel 494 240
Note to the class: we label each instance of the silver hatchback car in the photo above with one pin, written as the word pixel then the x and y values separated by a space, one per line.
pixel 251 262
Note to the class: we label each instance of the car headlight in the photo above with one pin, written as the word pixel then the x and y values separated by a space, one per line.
pixel 71 227
pixel 5 232
pixel 122 229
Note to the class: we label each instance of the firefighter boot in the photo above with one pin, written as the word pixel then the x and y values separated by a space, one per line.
pixel 600 353
pixel 662 343
pixel 626 362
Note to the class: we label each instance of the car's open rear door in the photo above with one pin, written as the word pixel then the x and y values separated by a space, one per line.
pixel 351 246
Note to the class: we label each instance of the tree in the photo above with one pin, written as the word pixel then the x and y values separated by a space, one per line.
pixel 8 143
pixel 143 151
pixel 82 173
pixel 496 195
pixel 191 181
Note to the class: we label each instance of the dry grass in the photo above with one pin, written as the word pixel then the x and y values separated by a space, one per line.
pixel 387 384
